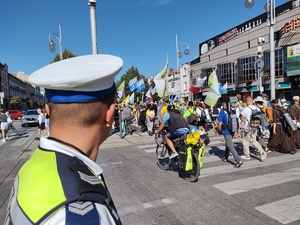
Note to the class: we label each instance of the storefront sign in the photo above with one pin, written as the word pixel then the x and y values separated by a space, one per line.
pixel 228 35
pixel 291 26
pixel 293 60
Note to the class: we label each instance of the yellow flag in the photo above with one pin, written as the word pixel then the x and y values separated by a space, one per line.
pixel 126 100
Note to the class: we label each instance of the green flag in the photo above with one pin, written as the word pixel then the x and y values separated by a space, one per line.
pixel 121 90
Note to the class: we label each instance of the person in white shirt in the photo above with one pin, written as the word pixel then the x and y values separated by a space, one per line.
pixel 284 104
pixel 249 133
pixel 41 127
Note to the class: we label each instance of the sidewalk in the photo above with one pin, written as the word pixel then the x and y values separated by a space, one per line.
pixel 13 154
pixel 137 137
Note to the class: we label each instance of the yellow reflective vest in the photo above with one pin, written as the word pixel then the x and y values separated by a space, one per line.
pixel 50 181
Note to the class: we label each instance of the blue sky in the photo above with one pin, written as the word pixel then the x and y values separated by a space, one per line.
pixel 141 32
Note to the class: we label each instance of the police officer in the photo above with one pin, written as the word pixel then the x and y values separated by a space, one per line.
pixel 62 183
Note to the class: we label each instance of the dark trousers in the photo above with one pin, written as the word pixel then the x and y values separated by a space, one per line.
pixel 230 148
pixel 127 123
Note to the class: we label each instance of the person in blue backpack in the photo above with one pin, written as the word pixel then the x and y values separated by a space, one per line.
pixel 223 129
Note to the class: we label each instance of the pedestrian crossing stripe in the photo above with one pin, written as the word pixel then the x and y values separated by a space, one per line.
pixel 285 211
pixel 250 164
pixel 257 182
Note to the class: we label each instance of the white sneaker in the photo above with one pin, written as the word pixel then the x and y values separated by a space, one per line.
pixel 173 155
pixel 6 138
pixel 3 140
pixel 263 156
pixel 247 157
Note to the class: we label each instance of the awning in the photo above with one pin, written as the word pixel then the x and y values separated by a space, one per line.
pixel 283 85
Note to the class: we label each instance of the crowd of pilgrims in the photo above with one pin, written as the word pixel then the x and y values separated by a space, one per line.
pixel 279 136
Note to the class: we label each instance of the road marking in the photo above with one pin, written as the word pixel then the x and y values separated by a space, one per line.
pixel 153 145
pixel 212 171
pixel 131 209
pixel 256 182
pixel 285 211
pixel 113 163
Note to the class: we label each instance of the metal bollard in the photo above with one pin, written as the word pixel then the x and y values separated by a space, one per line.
pixel 120 124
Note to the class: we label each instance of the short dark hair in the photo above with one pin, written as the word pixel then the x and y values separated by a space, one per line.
pixel 78 114
pixel 190 103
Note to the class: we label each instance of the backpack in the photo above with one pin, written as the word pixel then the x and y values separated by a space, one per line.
pixel 255 118
pixel 268 112
pixel 202 116
pixel 259 120
pixel 232 123
pixel 215 111
pixel 192 118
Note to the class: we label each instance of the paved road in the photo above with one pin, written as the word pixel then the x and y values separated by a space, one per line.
pixel 257 193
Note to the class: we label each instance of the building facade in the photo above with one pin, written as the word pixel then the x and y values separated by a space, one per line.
pixel 234 53
pixel 17 85
pixel 179 82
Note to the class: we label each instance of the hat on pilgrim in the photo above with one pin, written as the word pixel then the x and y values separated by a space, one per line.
pixel 80 79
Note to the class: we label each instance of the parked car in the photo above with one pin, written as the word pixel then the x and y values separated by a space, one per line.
pixel 15 114
pixel 30 117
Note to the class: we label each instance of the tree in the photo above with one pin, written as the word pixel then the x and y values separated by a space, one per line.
pixel 15 101
pixel 131 73
pixel 66 55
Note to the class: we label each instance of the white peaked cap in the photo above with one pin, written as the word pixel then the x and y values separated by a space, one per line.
pixel 79 79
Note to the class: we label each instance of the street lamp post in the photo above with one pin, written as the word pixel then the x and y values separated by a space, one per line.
pixel 271 15
pixel 92 4
pixel 52 44
pixel 270 7
pixel 178 56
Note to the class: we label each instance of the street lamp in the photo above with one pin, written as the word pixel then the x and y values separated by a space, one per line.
pixel 52 44
pixel 270 7
pixel 92 4
pixel 179 55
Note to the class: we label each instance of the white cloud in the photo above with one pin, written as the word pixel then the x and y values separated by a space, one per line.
pixel 165 2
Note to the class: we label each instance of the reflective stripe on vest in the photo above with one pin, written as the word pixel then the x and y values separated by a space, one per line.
pixel 35 201
pixel 32 199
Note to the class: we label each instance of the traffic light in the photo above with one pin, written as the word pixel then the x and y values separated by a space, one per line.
pixel 248 84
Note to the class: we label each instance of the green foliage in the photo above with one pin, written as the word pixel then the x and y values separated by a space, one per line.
pixel 15 100
pixel 66 55
pixel 130 74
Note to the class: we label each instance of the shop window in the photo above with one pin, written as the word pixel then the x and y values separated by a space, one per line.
pixel 280 64
pixel 246 69
pixel 206 72
pixel 226 73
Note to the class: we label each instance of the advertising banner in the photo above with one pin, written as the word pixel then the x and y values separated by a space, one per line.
pixel 293 60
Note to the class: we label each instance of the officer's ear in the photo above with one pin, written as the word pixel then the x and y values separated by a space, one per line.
pixel 47 109
pixel 109 115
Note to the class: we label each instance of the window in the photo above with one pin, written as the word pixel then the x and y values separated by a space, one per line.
pixel 226 73
pixel 246 69
pixel 184 86
pixel 206 72
pixel 280 64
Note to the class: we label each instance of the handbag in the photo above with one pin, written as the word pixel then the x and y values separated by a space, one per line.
pixel 9 120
